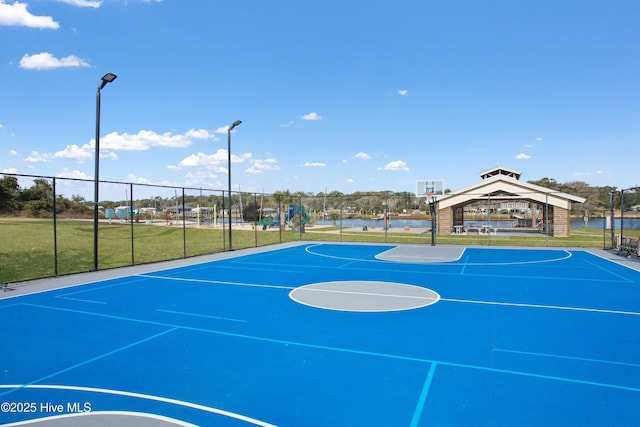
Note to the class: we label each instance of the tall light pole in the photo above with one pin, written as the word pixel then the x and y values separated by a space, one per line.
pixel 236 123
pixel 107 78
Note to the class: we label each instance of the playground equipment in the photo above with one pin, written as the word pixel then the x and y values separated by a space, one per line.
pixel 297 217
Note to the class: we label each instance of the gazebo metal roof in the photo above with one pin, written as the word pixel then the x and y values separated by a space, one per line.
pixel 504 184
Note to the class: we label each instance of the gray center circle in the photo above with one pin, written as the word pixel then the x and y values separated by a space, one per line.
pixel 365 296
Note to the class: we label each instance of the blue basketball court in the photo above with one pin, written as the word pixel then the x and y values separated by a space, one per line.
pixel 331 335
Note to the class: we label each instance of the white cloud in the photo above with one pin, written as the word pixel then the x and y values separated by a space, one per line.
pixel 1 126
pixel 13 152
pixel 200 134
pixel 109 144
pixel 350 181
pixel 82 3
pixel 286 125
pixel 261 166
pixel 538 139
pixel 217 161
pixel 403 92
pixel 137 179
pixel 224 130
pixel 74 152
pixel 314 164
pixel 17 15
pixel 204 160
pixel 74 174
pixel 36 157
pixel 46 61
pixel 198 176
pixel 522 156
pixel 144 140
pixel 362 156
pixel 398 165
pixel 10 170
pixel 311 116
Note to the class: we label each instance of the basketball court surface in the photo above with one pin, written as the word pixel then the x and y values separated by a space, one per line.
pixel 330 334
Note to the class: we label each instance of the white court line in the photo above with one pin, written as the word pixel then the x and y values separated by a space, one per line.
pixel 307 250
pixel 537 261
pixel 559 356
pixel 79 299
pixel 549 307
pixel 92 289
pixel 129 414
pixel 142 396
pixel 200 315
pixel 219 282
pixel 454 263
pixel 372 294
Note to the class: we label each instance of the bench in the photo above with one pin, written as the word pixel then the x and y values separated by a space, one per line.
pixel 629 245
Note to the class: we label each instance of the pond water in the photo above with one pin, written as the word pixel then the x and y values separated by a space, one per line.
pixel 631 223
pixel 376 223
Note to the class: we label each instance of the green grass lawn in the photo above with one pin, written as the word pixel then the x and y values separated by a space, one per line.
pixel 27 245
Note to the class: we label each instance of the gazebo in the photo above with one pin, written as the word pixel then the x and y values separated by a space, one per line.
pixel 528 205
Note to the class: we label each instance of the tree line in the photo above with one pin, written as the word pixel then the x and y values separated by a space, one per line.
pixel 38 200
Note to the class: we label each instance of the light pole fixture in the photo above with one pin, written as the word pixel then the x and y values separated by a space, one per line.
pixel 236 123
pixel 107 78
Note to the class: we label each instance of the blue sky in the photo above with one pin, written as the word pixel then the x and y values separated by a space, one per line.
pixel 333 95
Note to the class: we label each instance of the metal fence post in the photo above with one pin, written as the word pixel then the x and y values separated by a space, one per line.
pixel 55 231
pixel 184 227
pixel 132 215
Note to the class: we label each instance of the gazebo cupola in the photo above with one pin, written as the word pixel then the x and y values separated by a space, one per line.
pixel 501 171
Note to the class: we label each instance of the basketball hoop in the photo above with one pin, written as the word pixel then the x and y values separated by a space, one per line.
pixel 429 189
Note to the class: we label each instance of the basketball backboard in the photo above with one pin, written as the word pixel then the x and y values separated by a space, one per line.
pixel 430 188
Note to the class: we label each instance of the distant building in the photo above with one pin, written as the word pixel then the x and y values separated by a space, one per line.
pixel 150 211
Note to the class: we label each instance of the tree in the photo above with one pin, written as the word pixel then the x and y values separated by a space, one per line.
pixel 9 193
pixel 251 212
pixel 334 216
pixel 545 182
pixel 604 197
pixel 41 189
pixel 38 198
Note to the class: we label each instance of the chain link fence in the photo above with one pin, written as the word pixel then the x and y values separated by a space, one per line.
pixel 47 224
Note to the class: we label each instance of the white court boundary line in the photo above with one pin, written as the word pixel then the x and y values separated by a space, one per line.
pixel 44 420
pixel 548 307
pixel 146 397
pixel 206 316
pixel 560 356
pixel 308 288
pixel 499 303
pixel 219 282
pixel 308 249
